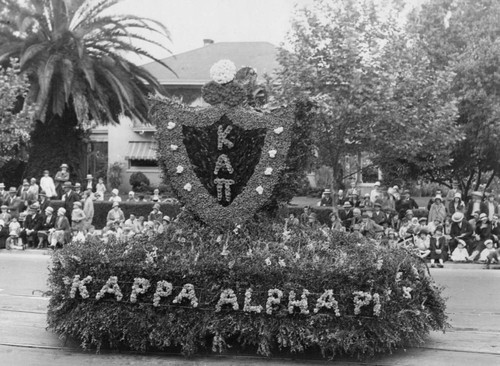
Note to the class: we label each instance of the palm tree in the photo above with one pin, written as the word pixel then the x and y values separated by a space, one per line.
pixel 74 53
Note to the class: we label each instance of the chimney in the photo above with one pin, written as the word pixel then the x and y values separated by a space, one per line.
pixel 208 42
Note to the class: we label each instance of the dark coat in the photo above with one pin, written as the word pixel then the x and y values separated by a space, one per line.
pixel 380 217
pixel 404 205
pixel 466 229
pixel 482 209
pixel 69 199
pixel 48 225
pixel 33 222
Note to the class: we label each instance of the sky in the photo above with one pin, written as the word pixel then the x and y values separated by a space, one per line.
pixel 191 21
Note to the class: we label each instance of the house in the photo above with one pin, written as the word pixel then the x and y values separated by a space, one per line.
pixel 132 144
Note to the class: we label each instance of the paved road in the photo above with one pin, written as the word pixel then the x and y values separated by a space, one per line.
pixel 474 309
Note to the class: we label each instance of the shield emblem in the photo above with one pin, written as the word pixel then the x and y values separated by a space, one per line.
pixel 223 162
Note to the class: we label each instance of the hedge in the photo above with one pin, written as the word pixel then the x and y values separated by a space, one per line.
pixel 101 209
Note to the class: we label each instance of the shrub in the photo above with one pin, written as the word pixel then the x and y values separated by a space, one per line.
pixel 115 174
pixel 402 302
pixel 138 180
pixel 101 209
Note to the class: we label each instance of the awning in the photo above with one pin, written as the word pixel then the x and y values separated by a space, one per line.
pixel 142 150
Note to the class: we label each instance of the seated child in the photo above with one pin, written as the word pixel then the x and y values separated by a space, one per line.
pixel 460 254
pixel 13 241
pixel 14 226
pixel 438 247
pixel 483 257
pixel 422 244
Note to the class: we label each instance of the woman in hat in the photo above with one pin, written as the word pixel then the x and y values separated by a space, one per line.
pixel 346 214
pixel 155 215
pixel 115 215
pixel 336 222
pixel 60 234
pixel 48 222
pixel 482 233
pixel 47 185
pixel 62 176
pixel 476 204
pixel 326 198
pixel 88 207
pixel 456 204
pixel 78 218
pixel 437 210
pixel 33 191
pixel 115 196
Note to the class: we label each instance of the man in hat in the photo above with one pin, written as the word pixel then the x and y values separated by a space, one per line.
pixel 78 189
pixel 326 198
pixel 47 185
pixel 460 230
pixel 62 176
pixel 369 228
pixel 43 200
pixel 346 214
pixel 90 182
pixel 32 224
pixel 304 217
pixel 378 216
pixel 405 203
pixel 48 223
pixel 3 193
pixel 475 204
pixel 437 210
pixel 353 190
pixel 4 214
pixel 491 206
pixel 69 197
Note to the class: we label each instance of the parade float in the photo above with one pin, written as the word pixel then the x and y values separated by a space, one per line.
pixel 229 275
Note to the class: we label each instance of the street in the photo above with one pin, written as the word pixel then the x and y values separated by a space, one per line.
pixel 473 307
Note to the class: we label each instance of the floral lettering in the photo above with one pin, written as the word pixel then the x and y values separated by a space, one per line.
pixel 326 300
pixel 227 297
pixel 301 304
pixel 163 289
pixel 80 286
pixel 274 298
pixel 140 286
pixel 222 137
pixel 111 287
pixel 223 161
pixel 224 183
pixel 187 292
pixel 251 308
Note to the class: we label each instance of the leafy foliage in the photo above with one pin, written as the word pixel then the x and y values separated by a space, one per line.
pixel 16 116
pixel 373 90
pixel 139 181
pixel 115 171
pixel 250 258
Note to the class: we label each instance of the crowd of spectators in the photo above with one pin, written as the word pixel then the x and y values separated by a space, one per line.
pixel 450 229
pixel 28 220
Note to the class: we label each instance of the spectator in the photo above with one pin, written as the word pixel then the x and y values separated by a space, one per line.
pixel 491 206
pixel 61 233
pixel 340 197
pixel 156 195
pixel 354 198
pixel 474 219
pixel 47 185
pixel 3 193
pixel 422 244
pixel 450 196
pixel 395 193
pixel 4 214
pixel 475 205
pixel 304 217
pixel 292 220
pixel 482 233
pixel 379 216
pixel 389 200
pixel 460 230
pixel 353 190
pixel 431 201
pixel 353 219
pixel 48 223
pixel 164 224
pixel 437 209
pixel 115 215
pixel 115 196
pixel 456 204
pixel 356 231
pixel 438 248
pixel 326 198
pixel 405 203
pixel 99 196
pixel 100 188
pixel 78 190
pixel 88 208
pixel 62 176
pixel 43 200
pixel 487 251
pixel 33 190
pixel 336 223
pixel 313 221
pixel 23 192
pixel 375 193
pixel 131 197
pixel 495 229
pixel 77 218
pixel 369 228
pixel 366 203
pixel 13 241
pixel 460 253
pixel 32 224
pixel 90 182
pixel 69 197
pixel 155 215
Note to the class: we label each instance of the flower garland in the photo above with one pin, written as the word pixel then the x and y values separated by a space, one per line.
pixel 223 162
pixel 140 286
pixel 163 289
pixel 327 300
pixel 227 297
pixel 187 292
pixel 223 71
pixel 251 308
pixel 273 298
pixel 111 287
pixel 302 304
pixel 80 286
pixel 361 299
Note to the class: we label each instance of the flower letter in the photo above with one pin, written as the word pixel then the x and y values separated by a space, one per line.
pixel 111 287
pixel 326 300
pixel 163 289
pixel 140 286
pixel 187 292
pixel 227 297
pixel 251 308
pixel 80 285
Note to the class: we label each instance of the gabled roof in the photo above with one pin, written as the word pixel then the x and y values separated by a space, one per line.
pixel 193 67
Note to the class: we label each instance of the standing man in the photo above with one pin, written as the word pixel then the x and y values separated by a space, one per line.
pixel 375 193
pixel 460 230
pixel 62 176
pixel 476 204
pixel 13 202
pixel 69 197
pixel 405 203
pixel 32 223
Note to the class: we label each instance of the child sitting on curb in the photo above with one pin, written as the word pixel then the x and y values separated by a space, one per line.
pixel 460 254
pixel 483 257
pixel 438 248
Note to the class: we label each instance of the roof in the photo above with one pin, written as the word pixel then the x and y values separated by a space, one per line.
pixel 193 67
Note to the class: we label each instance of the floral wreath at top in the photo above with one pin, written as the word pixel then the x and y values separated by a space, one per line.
pixel 170 116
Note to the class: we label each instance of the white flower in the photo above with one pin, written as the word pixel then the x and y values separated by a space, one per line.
pixel 219 239
pixel 278 130
pixel 297 255
pixel 180 169
pixel 268 261
pixel 188 187
pixel 268 171
pixel 174 147
pixel 170 125
pixel 281 262
pixel 223 71
pixel 259 189
pixel 272 153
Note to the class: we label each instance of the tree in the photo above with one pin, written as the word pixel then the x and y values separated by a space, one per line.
pixel 74 55
pixel 372 89
pixel 15 115
pixel 464 36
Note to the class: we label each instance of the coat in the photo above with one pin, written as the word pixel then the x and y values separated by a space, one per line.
pixel 48 224
pixel 70 198
pixel 482 209
pixel 62 224
pixel 88 208
pixel 404 205
pixel 437 212
pixel 452 208
pixel 380 217
pixel 465 229
pixel 33 222
pixel 438 244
